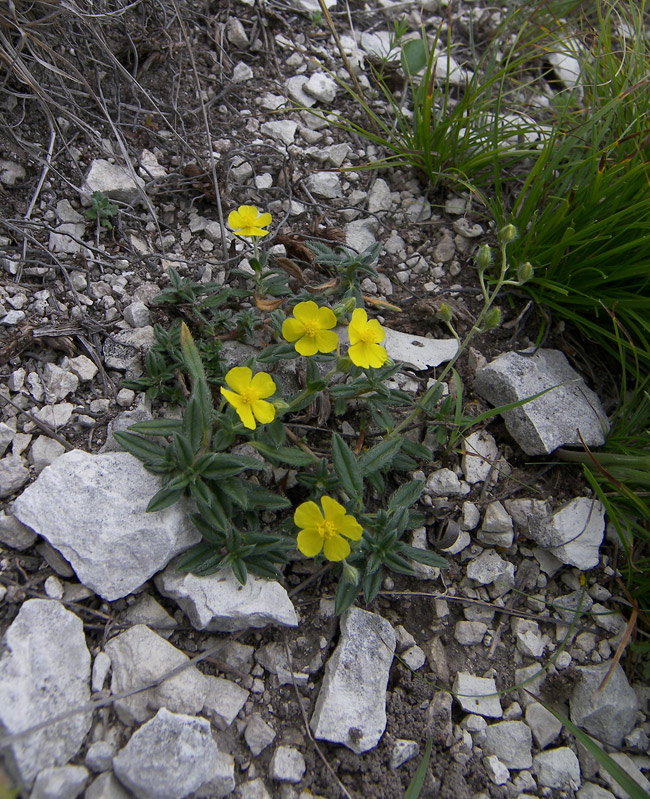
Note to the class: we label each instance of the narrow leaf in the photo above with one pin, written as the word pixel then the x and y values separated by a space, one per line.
pixel 380 456
pixel 293 456
pixel 346 468
pixel 157 427
pixel 140 447
pixel 417 782
pixel 191 356
pixel 164 499
pixel 406 495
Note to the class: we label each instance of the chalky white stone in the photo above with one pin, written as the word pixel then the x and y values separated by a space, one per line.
pixel 477 695
pixel 351 705
pixel 220 602
pixel 44 671
pixel 573 533
pixel 552 420
pixel 91 508
pixel 169 757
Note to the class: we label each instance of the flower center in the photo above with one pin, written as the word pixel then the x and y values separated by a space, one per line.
pixel 327 529
pixel 311 327
pixel 367 337
pixel 249 395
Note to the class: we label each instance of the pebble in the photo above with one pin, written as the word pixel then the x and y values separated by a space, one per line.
pixel 287 765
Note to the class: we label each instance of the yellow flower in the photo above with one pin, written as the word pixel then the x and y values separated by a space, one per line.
pixel 248 395
pixel 365 335
pixel 247 221
pixel 311 329
pixel 324 532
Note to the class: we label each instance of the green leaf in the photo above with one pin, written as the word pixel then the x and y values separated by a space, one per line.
pixel 164 499
pixel 199 490
pixel 213 513
pixel 406 495
pixel 235 489
pixel 314 381
pixel 183 450
pixel 425 556
pixel 417 782
pixel 418 451
pixel 294 456
pixel 346 468
pixel 413 56
pixel 204 400
pixel 239 570
pixel 201 559
pixel 139 447
pixel 376 480
pixel 191 357
pixel 371 584
pixel 277 432
pixel 263 498
pixel 193 424
pixel 398 563
pixel 346 593
pixel 221 466
pixel 380 415
pixel 380 456
pixel 157 427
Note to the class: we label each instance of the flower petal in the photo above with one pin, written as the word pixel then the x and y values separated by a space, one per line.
pixel 306 311
pixel 350 528
pixel 263 220
pixel 332 509
pixel 236 400
pixel 309 542
pixel 264 411
pixel 239 378
pixel 246 415
pixel 307 346
pixel 234 220
pixel 326 317
pixel 263 385
pixel 377 330
pixel 293 329
pixel 358 354
pixel 327 341
pixel 308 515
pixel 357 325
pixel 249 215
pixel 336 548
pixel 377 356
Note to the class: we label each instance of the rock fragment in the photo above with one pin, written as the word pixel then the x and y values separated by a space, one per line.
pixel 220 602
pixel 258 734
pixel 351 705
pixel 113 180
pixel 44 671
pixel 573 533
pixel 169 757
pixel 287 765
pixel 477 695
pixel 91 508
pixel 565 414
pixel 140 657
pixel 557 768
pixel 608 714
pixel 511 742
pixel 62 782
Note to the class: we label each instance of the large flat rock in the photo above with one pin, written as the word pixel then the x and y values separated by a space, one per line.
pixel 91 508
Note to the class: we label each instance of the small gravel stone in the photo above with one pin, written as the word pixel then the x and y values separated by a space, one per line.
pixel 557 768
pixel 403 750
pixel 325 185
pixel 495 769
pixel 469 633
pixel 321 87
pixel 287 765
pixel 258 734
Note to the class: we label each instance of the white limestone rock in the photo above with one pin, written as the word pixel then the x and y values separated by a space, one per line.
pixel 496 770
pixel 287 765
pixel 490 569
pixel 169 757
pixel 351 704
pixel 62 782
pixel 557 768
pixel 219 602
pixel 91 508
pixel 258 734
pixel 223 701
pixel 477 695
pixel 573 533
pixel 403 750
pixel 445 483
pixel 139 657
pixel 324 185
pixel 44 671
pixel 113 180
pixel 13 475
pixel 552 420
pixel 608 714
pixel 480 453
pixel 543 724
pixel 628 765
pixel 322 87
pixel 511 742
pixel 43 452
pixel 497 529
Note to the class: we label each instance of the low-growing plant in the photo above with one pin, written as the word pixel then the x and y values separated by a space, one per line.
pixel 102 210
pixel 349 505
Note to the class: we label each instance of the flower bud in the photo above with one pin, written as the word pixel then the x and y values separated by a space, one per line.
pixel 350 574
pixel 280 406
pixel 344 307
pixel 525 272
pixel 508 233
pixel 445 313
pixel 492 319
pixel 484 257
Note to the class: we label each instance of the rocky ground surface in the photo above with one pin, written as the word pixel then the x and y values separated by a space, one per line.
pixel 119 677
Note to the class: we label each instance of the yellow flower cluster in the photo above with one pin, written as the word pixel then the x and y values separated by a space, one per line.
pixel 324 530
pixel 311 330
pixel 248 395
